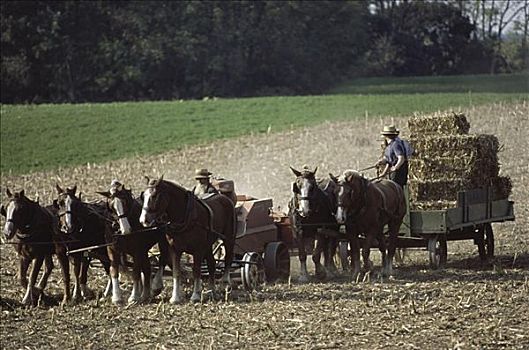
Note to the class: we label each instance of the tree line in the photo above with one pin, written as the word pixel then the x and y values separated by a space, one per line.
pixel 79 51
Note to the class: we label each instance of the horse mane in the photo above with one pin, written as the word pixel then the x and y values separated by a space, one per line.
pixel 173 186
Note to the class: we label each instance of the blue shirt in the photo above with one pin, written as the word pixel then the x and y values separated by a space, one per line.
pixel 395 148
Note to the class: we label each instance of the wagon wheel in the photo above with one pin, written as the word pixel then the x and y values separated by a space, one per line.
pixel 437 250
pixel 276 261
pixel 485 242
pixel 252 271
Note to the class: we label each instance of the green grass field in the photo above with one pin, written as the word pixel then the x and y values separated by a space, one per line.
pixel 40 137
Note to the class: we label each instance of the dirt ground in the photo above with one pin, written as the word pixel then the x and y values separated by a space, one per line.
pixel 464 306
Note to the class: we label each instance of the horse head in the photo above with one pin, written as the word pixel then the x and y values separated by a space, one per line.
pixel 68 205
pixel 350 194
pixel 19 213
pixel 155 202
pixel 120 202
pixel 303 189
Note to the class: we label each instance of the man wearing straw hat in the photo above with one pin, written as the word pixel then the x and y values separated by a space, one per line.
pixel 395 156
pixel 203 186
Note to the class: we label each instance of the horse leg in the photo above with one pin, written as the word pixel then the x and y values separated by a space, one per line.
pixel 228 245
pixel 23 271
pixel 383 251
pixel 83 278
pixel 197 278
pixel 354 243
pixel 366 249
pixel 48 267
pixel 108 289
pixel 29 296
pixel 303 273
pixel 77 262
pixel 392 246
pixel 157 281
pixel 114 274
pixel 330 251
pixel 321 272
pixel 65 270
pixel 146 269
pixel 176 256
pixel 136 282
pixel 211 272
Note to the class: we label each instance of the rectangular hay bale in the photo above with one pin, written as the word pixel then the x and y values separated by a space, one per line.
pixel 474 168
pixel 436 190
pixel 439 123
pixel 481 146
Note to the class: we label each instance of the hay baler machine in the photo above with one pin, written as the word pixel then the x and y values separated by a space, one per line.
pixel 262 242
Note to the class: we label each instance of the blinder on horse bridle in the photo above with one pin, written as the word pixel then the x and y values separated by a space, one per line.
pixel 162 218
pixel 23 232
pixel 364 185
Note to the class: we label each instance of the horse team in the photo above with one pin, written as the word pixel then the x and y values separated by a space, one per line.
pixel 174 218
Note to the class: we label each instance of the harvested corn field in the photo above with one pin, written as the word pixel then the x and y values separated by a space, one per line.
pixel 465 306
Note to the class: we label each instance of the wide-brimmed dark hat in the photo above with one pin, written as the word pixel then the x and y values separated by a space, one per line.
pixel 390 130
pixel 202 174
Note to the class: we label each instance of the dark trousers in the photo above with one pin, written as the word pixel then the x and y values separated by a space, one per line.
pixel 400 176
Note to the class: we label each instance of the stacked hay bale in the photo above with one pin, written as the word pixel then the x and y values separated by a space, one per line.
pixel 448 159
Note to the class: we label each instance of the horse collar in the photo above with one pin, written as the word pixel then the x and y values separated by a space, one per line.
pixel 24 233
pixel 187 220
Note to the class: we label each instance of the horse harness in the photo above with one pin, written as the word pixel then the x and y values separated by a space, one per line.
pixel 190 215
pixel 24 234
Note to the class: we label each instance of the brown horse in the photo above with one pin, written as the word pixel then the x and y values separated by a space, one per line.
pixel 126 212
pixel 34 228
pixel 365 207
pixel 193 226
pixel 313 208
pixel 86 225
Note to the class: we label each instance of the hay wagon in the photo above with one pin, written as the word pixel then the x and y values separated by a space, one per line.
pixel 472 218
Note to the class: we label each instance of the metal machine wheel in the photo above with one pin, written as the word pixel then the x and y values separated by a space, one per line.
pixel 437 251
pixel 486 242
pixel 276 261
pixel 252 271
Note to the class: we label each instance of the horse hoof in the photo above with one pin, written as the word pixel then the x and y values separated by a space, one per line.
pixel 145 300
pixel 303 279
pixel 175 301
pixel 156 292
pixel 195 298
pixel 116 301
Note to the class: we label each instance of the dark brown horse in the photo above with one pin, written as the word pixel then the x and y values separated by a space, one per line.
pixel 35 230
pixel 312 212
pixel 365 207
pixel 193 226
pixel 126 212
pixel 86 225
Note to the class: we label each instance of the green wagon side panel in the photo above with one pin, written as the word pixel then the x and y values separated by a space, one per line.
pixel 428 222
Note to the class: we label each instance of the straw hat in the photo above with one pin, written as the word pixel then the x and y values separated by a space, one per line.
pixel 202 174
pixel 390 130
